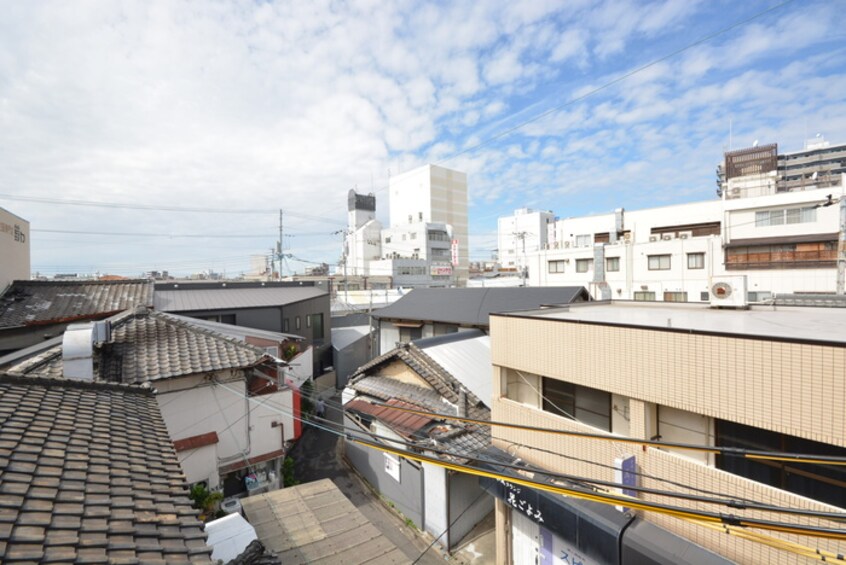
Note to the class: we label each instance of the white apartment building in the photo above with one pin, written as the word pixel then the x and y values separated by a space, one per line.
pixel 14 249
pixel 522 233
pixel 426 243
pixel 784 240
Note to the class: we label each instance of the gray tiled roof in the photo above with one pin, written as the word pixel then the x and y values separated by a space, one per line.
pixel 473 306
pixel 28 303
pixel 148 346
pixel 464 439
pixel 89 474
pixel 199 299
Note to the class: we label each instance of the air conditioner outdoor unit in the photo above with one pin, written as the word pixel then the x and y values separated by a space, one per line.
pixel 653 238
pixel 627 237
pixel 555 245
pixel 666 236
pixel 685 234
pixel 728 292
pixel 566 245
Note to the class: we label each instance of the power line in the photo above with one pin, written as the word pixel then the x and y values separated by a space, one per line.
pixel 159 208
pixel 617 80
pixel 728 451
pixel 159 234
pixel 729 501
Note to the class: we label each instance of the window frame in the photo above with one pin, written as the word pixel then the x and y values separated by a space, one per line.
pixel 584 265
pixel 660 260
pixel 696 255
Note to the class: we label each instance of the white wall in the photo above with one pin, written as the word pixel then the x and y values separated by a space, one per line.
pixel 266 410
pixel 200 465
pixel 14 249
pixel 533 224
pixel 436 513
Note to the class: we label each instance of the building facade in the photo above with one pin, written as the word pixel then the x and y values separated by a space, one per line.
pixel 14 249
pixel 522 233
pixel 755 379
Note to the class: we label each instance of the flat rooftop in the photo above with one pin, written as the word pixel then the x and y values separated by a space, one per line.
pixel 780 323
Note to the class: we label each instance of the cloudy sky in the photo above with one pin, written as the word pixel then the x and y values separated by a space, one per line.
pixel 225 112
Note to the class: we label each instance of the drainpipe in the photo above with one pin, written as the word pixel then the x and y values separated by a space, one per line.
pixel 841 250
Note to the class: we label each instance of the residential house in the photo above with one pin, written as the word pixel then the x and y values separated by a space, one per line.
pixel 298 308
pixel 450 373
pixel 228 428
pixel 34 311
pixel 720 380
pixel 88 474
pixel 428 312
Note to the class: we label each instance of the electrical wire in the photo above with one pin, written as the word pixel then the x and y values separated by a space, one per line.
pixel 728 451
pixel 837 516
pixel 617 80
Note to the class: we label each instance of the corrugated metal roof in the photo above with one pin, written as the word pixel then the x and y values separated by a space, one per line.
pixel 30 303
pixel 190 300
pixel 472 306
pixel 315 522
pixel 405 423
pixel 467 357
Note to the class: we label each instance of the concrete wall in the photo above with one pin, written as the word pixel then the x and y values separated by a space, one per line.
pixel 347 360
pixel 14 249
pixel 778 386
pixel 407 494
pixel 468 505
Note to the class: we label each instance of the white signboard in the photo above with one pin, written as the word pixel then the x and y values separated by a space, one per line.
pixel 392 466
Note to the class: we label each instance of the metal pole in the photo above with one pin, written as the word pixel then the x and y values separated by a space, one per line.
pixel 280 247
pixel 841 250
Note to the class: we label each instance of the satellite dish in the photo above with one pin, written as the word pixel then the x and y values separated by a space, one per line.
pixel 755 143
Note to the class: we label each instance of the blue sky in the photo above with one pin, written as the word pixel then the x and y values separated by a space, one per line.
pixel 256 106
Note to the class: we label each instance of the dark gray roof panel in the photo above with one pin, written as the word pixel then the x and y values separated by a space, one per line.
pixel 195 300
pixel 30 303
pixel 472 306
pixel 90 474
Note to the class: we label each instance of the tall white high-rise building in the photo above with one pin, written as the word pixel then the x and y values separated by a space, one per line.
pixel 433 195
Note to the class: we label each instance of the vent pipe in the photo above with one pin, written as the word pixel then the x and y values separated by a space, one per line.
pixel 78 348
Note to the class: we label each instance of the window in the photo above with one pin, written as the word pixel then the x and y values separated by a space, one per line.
pixel 388 239
pixel 420 215
pixel 409 334
pixel 826 483
pixel 403 237
pixel 410 218
pixel 583 404
pixel 782 216
pixel 675 297
pixel 583 265
pixel 296 322
pixel 612 264
pixel 585 240
pixel 316 326
pixel 555 266
pixel 644 295
pixel 308 321
pixel 695 260
pixel 659 262
pixel 413 235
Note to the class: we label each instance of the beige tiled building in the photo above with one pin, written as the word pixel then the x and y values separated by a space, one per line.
pixel 764 378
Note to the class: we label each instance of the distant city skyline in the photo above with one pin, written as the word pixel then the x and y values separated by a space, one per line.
pixel 246 108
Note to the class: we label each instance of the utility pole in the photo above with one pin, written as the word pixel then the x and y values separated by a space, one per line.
pixel 279 245
pixel 522 264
